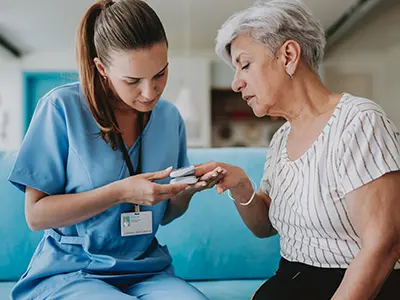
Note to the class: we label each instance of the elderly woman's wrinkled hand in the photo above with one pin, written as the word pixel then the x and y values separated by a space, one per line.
pixel 234 177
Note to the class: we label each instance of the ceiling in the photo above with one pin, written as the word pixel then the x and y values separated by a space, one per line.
pixel 50 25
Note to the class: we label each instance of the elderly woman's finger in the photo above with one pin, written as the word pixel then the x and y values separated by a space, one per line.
pixel 205 168
pixel 214 182
pixel 213 174
pixel 220 188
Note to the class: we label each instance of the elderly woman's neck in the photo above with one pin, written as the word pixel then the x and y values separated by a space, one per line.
pixel 309 100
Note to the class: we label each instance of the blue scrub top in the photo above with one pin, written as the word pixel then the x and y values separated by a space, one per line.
pixel 63 153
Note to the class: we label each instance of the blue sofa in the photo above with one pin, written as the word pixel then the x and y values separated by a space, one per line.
pixel 210 245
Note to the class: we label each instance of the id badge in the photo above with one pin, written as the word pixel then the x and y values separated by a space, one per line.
pixel 136 223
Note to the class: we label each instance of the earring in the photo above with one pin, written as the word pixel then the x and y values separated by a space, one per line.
pixel 289 70
pixel 105 78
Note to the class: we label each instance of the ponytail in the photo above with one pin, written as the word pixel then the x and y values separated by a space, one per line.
pixel 96 90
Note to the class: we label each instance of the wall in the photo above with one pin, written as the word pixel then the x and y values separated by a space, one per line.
pixel 391 83
pixel 52 61
pixel 371 75
pixel 367 63
pixel 10 102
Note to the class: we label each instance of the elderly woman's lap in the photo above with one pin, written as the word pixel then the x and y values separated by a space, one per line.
pixel 298 281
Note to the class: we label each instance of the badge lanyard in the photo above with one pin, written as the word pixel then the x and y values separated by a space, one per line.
pixel 125 152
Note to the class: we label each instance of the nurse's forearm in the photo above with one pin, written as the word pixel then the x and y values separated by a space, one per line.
pixel 43 212
pixel 177 206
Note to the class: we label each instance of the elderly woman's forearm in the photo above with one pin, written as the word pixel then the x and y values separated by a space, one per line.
pixel 366 274
pixel 256 214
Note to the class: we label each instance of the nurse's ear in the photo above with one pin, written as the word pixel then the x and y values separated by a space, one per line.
pixel 100 67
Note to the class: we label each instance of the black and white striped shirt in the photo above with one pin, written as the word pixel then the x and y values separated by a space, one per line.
pixel 308 208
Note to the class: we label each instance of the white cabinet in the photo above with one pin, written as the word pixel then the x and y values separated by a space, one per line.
pixel 188 88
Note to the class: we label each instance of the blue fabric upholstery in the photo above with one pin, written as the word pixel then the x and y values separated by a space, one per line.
pixel 229 290
pixel 18 242
pixel 210 245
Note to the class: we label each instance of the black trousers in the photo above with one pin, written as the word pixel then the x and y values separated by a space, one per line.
pixel 299 281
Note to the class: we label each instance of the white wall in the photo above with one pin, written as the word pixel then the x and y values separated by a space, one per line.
pixel 192 73
pixel 391 83
pixel 367 63
pixel 372 75
pixel 11 119
pixel 51 61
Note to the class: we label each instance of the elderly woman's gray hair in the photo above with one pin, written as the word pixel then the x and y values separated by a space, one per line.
pixel 273 23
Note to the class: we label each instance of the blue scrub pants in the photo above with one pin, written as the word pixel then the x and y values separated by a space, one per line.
pixel 158 287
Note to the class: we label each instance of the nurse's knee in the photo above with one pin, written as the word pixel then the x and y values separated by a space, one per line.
pixel 89 289
pixel 166 287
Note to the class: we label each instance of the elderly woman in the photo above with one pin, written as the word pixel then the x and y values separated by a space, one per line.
pixel 331 180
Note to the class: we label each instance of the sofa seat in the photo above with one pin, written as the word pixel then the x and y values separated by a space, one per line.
pixel 228 289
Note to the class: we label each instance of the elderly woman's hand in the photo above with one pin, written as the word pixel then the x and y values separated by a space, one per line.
pixel 234 177
pixel 208 179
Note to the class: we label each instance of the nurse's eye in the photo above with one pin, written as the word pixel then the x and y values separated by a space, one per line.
pixel 131 82
pixel 160 75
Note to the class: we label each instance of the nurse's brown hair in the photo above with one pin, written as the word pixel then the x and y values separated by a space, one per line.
pixel 109 26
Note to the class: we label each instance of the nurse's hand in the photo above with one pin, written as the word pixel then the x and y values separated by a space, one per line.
pixel 141 189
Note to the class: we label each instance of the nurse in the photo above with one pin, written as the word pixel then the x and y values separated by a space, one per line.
pixel 94 166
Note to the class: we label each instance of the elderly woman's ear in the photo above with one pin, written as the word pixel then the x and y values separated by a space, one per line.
pixel 290 54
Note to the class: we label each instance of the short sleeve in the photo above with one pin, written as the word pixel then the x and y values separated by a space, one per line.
pixel 42 157
pixel 270 161
pixel 183 159
pixel 265 184
pixel 370 146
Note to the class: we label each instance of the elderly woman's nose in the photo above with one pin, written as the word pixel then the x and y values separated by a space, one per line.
pixel 238 84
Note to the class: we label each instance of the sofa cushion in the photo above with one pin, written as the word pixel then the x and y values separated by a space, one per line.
pixel 228 290
pixel 18 242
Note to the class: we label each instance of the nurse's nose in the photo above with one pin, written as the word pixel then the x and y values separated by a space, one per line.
pixel 149 90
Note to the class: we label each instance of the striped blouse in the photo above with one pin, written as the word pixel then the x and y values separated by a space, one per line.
pixel 308 208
